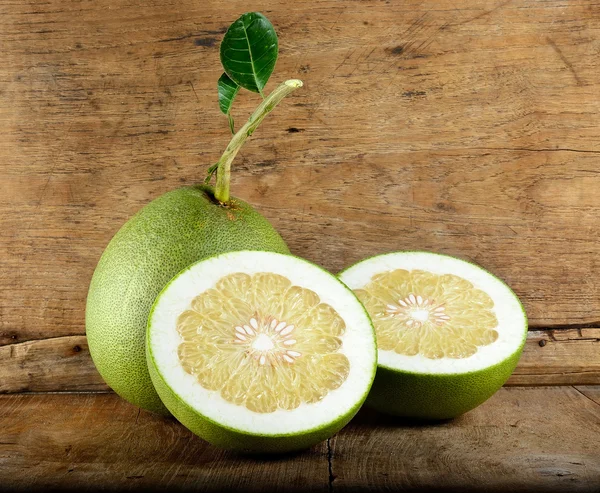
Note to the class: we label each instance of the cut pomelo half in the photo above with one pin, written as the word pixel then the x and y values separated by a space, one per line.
pixel 260 351
pixel 449 333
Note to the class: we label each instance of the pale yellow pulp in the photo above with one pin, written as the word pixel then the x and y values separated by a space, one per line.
pixel 263 343
pixel 436 316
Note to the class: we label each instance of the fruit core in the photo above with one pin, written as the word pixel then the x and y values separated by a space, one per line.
pixel 263 343
pixel 436 316
pixel 268 341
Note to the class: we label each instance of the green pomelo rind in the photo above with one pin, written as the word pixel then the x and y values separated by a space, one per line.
pixel 240 440
pixel 170 233
pixel 433 396
pixel 437 396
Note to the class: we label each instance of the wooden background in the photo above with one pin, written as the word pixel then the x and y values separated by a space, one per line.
pixel 464 127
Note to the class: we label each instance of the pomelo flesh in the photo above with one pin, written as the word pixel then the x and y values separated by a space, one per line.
pixel 449 333
pixel 167 235
pixel 260 352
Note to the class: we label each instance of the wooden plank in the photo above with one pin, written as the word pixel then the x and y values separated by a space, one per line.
pixel 509 443
pixel 98 441
pixel 554 357
pixel 461 127
pixel 592 393
pixel 559 357
pixel 58 364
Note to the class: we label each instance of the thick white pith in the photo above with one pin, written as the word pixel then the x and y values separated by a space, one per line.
pixel 358 343
pixel 512 323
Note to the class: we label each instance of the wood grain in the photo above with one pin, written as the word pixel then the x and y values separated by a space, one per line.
pixel 99 441
pixel 559 357
pixel 58 364
pixel 507 444
pixel 468 128
pixel 553 357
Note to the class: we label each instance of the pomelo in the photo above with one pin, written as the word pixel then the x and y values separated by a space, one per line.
pixel 260 352
pixel 170 233
pixel 449 333
pixel 167 235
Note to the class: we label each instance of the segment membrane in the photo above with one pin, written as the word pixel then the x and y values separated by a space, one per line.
pixel 436 316
pixel 263 343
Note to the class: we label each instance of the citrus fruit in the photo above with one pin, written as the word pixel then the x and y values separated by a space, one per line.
pixel 173 231
pixel 260 351
pixel 449 333
pixel 170 233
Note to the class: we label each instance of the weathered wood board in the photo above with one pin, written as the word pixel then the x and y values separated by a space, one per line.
pixel 565 357
pixel 469 128
pixel 508 444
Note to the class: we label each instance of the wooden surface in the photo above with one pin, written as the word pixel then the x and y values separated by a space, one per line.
pixel 551 357
pixel 514 442
pixel 463 127
pixel 468 128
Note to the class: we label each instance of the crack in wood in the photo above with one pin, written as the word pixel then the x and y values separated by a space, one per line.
pixel 330 465
pixel 564 59
pixel 29 341
pixel 59 392
pixel 570 326
pixel 531 149
pixel 481 15
pixel 194 35
pixel 586 396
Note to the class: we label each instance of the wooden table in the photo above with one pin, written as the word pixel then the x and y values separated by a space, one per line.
pixel 464 127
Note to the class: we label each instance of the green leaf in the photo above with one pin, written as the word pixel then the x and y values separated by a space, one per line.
pixel 227 92
pixel 249 51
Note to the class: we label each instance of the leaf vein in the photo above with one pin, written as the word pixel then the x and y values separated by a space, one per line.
pixel 250 53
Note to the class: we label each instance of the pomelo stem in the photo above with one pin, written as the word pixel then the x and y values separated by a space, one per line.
pixel 237 141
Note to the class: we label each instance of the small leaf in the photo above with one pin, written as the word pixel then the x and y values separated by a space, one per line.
pixel 249 51
pixel 210 172
pixel 227 92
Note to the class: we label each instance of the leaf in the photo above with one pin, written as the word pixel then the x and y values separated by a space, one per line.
pixel 210 172
pixel 249 51
pixel 227 92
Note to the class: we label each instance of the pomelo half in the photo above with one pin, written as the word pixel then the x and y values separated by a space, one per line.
pixel 449 333
pixel 260 352
pixel 170 233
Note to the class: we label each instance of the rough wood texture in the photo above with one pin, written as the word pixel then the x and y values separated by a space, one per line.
pixel 58 364
pixel 468 128
pixel 564 357
pixel 99 441
pixel 462 127
pixel 559 357
pixel 508 444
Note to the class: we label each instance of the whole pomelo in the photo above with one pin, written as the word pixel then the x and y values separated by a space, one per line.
pixel 166 236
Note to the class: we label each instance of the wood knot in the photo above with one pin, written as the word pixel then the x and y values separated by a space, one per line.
pixel 206 42
pixel 396 50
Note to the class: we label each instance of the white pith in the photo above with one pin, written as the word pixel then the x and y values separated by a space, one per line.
pixel 358 343
pixel 512 324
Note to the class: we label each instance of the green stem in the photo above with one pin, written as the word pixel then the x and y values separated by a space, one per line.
pixel 238 140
